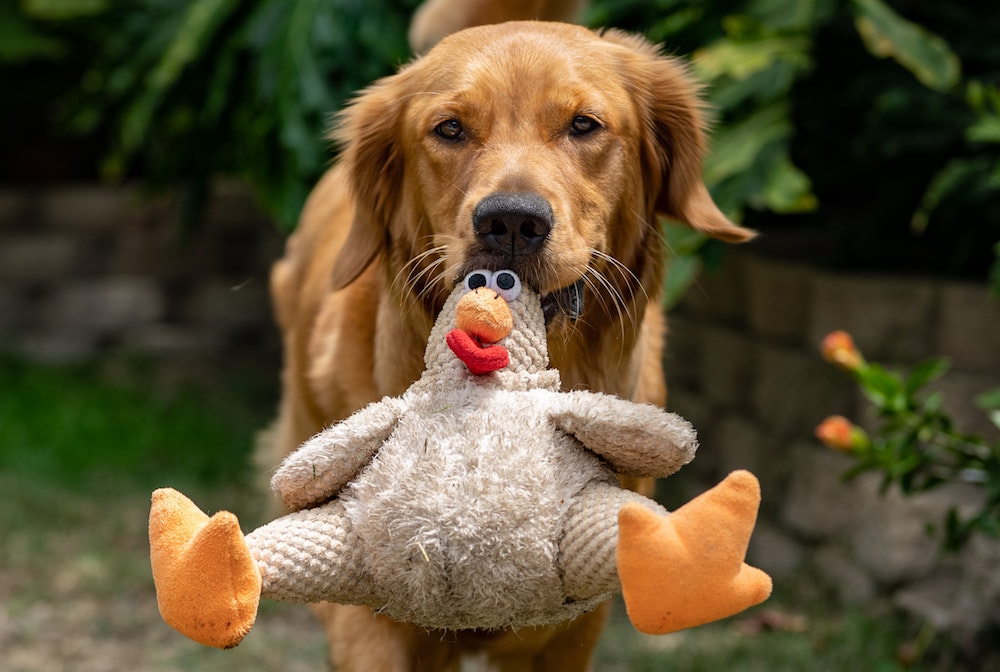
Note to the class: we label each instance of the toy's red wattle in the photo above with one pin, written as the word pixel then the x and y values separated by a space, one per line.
pixel 478 358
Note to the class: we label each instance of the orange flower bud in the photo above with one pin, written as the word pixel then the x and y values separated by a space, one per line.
pixel 839 433
pixel 838 348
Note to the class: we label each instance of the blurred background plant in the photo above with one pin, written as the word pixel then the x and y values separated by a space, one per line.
pixel 915 444
pixel 870 126
pixel 177 93
pixel 872 123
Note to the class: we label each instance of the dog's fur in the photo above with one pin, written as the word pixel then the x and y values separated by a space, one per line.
pixel 600 127
pixel 435 19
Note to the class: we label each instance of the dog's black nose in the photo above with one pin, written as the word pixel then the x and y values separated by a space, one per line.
pixel 514 224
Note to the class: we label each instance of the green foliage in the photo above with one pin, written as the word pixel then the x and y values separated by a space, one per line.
pixel 888 35
pixel 750 54
pixel 241 88
pixel 873 121
pixel 21 41
pixel 182 92
pixel 916 446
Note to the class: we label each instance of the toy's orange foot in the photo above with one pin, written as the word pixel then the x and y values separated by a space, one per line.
pixel 687 569
pixel 207 584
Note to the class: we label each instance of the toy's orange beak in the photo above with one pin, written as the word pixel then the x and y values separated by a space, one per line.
pixel 482 318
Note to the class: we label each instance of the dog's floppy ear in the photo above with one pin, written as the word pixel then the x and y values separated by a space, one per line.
pixel 674 142
pixel 367 133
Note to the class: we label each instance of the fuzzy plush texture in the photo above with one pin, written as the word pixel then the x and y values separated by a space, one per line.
pixel 462 509
pixel 478 501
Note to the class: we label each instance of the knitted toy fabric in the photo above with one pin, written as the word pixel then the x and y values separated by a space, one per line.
pixel 483 497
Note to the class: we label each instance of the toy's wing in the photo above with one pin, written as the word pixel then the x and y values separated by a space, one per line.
pixel 636 439
pixel 328 461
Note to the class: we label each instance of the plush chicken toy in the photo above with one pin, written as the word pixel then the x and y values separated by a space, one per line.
pixel 483 497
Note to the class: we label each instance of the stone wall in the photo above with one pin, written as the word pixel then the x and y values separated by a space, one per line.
pixel 89 271
pixel 743 365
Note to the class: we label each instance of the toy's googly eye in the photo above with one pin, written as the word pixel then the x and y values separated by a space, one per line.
pixel 477 279
pixel 506 284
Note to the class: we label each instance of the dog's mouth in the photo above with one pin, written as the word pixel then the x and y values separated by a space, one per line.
pixel 566 301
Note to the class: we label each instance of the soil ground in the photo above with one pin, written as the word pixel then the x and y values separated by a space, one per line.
pixel 76 595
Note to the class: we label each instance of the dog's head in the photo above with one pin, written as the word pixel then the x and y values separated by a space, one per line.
pixel 540 147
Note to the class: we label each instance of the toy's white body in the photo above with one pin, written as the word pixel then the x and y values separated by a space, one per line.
pixel 470 501
pixel 474 500
pixel 484 516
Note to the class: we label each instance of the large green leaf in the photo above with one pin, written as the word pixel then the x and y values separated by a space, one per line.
pixel 799 15
pixel 925 372
pixel 888 35
pixel 983 171
pixel 986 129
pixel 989 400
pixel 985 102
pixel 736 147
pixel 787 188
pixel 740 60
pixel 201 18
pixel 62 10
pixel 20 41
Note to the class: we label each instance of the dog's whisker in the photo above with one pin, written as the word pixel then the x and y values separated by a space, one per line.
pixel 618 302
pixel 448 274
pixel 625 308
pixel 632 281
pixel 600 280
pixel 413 272
pixel 596 283
pixel 428 272
pixel 406 273
pixel 613 290
pixel 458 188
pixel 628 276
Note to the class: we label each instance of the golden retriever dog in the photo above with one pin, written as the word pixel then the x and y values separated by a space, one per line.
pixel 545 148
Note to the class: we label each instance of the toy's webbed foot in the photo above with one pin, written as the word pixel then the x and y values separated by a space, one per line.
pixel 687 569
pixel 207 584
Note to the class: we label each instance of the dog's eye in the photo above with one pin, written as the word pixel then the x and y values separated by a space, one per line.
pixel 477 279
pixel 450 129
pixel 582 125
pixel 506 284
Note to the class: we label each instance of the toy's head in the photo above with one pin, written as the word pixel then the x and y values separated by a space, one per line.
pixel 492 324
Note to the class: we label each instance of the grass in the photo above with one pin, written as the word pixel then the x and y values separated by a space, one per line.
pixel 70 426
pixel 80 450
